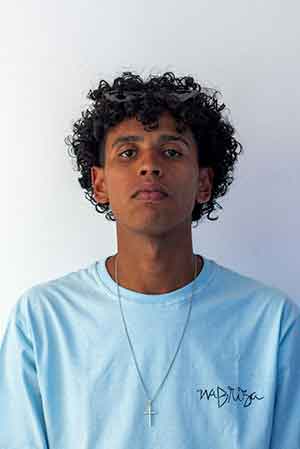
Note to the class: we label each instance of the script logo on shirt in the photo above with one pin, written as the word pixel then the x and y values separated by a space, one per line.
pixel 223 396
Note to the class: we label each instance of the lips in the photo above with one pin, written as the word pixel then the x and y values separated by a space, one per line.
pixel 151 195
pixel 151 187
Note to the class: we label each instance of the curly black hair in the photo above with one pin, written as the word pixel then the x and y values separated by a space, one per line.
pixel 189 103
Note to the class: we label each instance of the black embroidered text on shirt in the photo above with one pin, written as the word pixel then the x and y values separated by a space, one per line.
pixel 224 397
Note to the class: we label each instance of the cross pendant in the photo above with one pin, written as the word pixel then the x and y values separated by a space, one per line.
pixel 149 412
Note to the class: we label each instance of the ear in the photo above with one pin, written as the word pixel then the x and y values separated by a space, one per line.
pixel 99 185
pixel 206 175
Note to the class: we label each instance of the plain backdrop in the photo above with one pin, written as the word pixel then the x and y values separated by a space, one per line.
pixel 53 53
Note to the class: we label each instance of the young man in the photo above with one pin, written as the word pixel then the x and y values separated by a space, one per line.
pixel 154 346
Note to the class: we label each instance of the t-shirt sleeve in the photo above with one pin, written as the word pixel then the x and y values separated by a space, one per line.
pixel 22 424
pixel 286 418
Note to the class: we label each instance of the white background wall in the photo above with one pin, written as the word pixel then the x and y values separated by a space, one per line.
pixel 53 52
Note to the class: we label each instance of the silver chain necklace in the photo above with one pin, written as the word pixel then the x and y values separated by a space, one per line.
pixel 149 412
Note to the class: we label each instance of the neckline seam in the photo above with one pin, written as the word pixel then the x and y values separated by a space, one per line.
pixel 159 302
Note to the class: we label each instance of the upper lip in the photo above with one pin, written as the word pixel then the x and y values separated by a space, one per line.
pixel 151 187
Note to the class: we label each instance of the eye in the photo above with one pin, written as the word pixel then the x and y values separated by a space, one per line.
pixel 169 149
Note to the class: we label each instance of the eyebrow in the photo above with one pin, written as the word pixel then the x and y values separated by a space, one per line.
pixel 162 138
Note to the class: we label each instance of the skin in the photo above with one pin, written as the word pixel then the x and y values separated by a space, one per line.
pixel 155 253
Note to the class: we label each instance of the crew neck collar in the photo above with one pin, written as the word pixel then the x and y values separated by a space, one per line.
pixel 178 295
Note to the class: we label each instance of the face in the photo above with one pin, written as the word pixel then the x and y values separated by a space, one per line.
pixel 151 158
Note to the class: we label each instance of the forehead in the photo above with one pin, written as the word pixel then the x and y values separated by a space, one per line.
pixel 166 122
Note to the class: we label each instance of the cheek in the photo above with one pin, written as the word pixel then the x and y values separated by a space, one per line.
pixel 120 195
pixel 187 195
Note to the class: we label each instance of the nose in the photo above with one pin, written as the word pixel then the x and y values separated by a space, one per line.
pixel 153 171
pixel 150 165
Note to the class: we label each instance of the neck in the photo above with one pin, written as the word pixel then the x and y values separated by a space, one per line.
pixel 154 275
pixel 152 261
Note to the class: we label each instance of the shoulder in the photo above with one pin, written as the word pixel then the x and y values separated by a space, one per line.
pixel 56 293
pixel 237 285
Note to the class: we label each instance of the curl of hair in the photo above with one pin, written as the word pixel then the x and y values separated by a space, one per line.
pixel 130 96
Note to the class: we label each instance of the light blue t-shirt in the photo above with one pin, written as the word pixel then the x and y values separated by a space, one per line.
pixel 68 379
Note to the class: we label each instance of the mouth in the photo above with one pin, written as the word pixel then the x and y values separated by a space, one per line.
pixel 151 196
